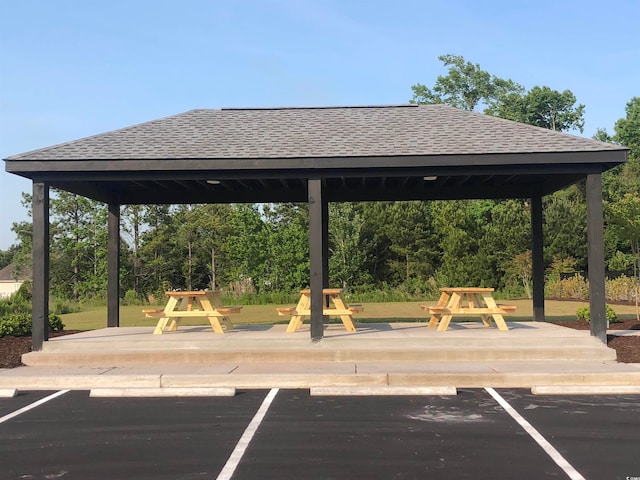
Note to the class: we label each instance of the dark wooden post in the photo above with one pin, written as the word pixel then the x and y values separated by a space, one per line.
pixel 113 266
pixel 40 285
pixel 537 258
pixel 316 251
pixel 595 249
pixel 325 252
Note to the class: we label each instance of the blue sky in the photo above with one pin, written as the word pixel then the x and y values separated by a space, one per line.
pixel 73 68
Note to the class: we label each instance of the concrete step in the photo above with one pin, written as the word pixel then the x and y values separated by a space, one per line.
pixel 425 354
pixel 499 375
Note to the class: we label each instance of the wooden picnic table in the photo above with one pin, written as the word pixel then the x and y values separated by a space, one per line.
pixel 202 303
pixel 336 307
pixel 467 301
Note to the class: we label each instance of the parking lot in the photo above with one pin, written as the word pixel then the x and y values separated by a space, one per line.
pixel 288 434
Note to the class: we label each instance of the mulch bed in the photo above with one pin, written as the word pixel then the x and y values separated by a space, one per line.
pixel 12 348
pixel 627 348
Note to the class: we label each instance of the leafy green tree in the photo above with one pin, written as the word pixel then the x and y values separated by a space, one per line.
pixel 624 218
pixel 413 240
pixel 6 256
pixel 287 266
pixel 347 255
pixel 543 107
pixel 565 225
pixel 246 244
pixel 158 245
pixel 462 264
pixel 505 235
pixel 78 255
pixel 132 224
pixel 627 133
pixel 466 86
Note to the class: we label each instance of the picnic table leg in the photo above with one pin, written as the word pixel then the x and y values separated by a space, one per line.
pixel 442 302
pixel 183 304
pixel 347 320
pixel 296 320
pixel 453 303
pixel 162 323
pixel 216 302
pixel 497 317
pixel 478 302
pixel 294 324
pixel 205 305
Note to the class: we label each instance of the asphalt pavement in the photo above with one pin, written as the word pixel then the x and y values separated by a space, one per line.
pixel 289 434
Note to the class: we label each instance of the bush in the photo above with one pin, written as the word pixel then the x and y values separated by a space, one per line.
pixel 131 297
pixel 583 313
pixel 19 324
pixel 55 323
pixel 15 324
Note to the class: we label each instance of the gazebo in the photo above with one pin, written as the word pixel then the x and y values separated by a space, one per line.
pixel 318 155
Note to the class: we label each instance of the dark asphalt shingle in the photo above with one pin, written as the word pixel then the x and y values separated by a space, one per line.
pixel 317 132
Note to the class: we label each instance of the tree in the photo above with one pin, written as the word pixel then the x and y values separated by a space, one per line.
pixel 543 107
pixel 466 86
pixel 287 244
pixel 132 224
pixel 565 225
pixel 624 218
pixel 628 134
pixel 506 234
pixel 347 257
pixel 78 245
pixel 461 262
pixel 246 242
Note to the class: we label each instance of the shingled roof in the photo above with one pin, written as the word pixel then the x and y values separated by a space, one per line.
pixel 361 153
pixel 424 130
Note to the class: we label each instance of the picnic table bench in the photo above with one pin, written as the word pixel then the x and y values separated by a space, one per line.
pixel 467 301
pixel 181 305
pixel 332 296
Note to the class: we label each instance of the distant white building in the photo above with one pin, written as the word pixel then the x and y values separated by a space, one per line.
pixel 10 280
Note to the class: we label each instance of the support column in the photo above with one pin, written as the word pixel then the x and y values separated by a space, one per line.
pixel 537 258
pixel 316 251
pixel 113 266
pixel 325 253
pixel 40 285
pixel 595 249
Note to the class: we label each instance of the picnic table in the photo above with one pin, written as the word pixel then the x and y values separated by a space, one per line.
pixel 333 305
pixel 467 301
pixel 201 303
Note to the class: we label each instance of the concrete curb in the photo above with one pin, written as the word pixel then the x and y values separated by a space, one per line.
pixel 163 392
pixel 585 389
pixel 377 391
pixel 8 392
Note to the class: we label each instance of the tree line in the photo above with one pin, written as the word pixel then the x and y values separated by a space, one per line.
pixel 413 247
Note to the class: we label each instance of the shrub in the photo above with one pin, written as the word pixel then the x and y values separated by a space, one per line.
pixel 19 324
pixel 15 324
pixel 583 313
pixel 131 297
pixel 55 323
pixel 62 306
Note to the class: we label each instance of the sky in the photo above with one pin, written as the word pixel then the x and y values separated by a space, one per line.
pixel 74 68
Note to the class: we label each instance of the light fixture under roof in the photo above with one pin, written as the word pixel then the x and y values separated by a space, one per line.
pixel 213 182
pixel 430 178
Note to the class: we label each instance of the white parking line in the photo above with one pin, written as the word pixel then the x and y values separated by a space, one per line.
pixel 231 465
pixel 546 446
pixel 31 406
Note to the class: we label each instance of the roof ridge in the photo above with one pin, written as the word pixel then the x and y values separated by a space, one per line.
pixel 326 107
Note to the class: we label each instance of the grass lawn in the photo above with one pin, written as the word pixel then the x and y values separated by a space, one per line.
pixel 373 312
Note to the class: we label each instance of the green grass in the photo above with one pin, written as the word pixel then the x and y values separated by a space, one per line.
pixel 390 312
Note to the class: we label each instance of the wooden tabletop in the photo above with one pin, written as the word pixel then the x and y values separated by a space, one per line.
pixel 466 289
pixel 325 291
pixel 175 293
